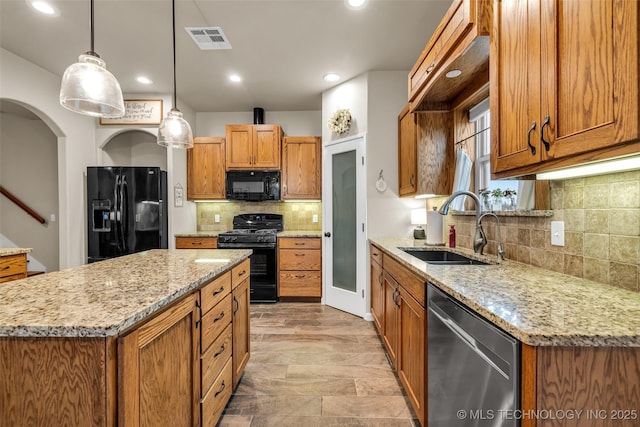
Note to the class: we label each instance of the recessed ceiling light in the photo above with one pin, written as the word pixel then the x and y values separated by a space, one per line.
pixel 144 80
pixel 331 77
pixel 453 74
pixel 43 7
pixel 355 4
pixel 235 78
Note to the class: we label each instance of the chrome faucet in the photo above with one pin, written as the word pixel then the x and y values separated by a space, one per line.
pixel 479 240
pixel 500 250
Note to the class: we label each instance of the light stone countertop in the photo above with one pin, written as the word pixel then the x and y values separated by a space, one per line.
pixel 14 251
pixel 537 306
pixel 300 233
pixel 105 298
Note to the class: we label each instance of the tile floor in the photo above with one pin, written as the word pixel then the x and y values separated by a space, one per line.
pixel 315 366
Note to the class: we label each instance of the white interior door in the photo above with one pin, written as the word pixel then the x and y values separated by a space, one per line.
pixel 344 213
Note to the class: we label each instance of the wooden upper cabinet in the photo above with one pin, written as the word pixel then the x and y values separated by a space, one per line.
pixel 425 153
pixel 460 42
pixel 253 147
pixel 302 167
pixel 407 153
pixel 205 169
pixel 558 93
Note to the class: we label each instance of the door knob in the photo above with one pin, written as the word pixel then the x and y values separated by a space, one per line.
pixel 327 234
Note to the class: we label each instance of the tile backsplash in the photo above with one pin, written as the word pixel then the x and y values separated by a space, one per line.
pixel 601 217
pixel 296 215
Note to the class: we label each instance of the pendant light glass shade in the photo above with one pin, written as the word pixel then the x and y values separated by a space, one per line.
pixel 89 88
pixel 174 131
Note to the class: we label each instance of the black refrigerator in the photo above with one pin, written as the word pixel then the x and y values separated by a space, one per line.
pixel 126 210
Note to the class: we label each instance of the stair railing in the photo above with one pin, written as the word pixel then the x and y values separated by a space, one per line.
pixel 22 205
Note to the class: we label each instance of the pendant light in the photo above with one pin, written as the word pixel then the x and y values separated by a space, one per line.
pixel 89 88
pixel 174 131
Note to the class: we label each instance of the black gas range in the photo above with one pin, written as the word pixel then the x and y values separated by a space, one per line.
pixel 258 232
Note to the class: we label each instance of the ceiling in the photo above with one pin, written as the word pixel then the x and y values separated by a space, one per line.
pixel 280 48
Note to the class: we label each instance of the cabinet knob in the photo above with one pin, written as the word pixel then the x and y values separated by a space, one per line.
pixel 327 234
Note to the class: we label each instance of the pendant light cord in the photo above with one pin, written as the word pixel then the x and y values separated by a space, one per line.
pixel 175 97
pixel 92 51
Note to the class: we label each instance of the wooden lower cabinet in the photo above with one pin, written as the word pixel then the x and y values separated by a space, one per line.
pixel 159 370
pixel 204 242
pixel 377 288
pixel 241 336
pixel 299 267
pixel 13 267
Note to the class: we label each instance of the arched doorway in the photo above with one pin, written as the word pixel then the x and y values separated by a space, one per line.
pixel 29 170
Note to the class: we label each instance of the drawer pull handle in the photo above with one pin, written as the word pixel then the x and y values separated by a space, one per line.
pixel 6 267
pixel 221 389
pixel 375 254
pixel 299 254
pixel 219 317
pixel 219 291
pixel 242 273
pixel 431 67
pixel 219 352
pixel 196 243
pixel 299 243
pixel 300 276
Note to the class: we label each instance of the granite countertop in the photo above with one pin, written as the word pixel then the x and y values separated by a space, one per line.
pixel 105 298
pixel 199 234
pixel 300 233
pixel 14 251
pixel 539 307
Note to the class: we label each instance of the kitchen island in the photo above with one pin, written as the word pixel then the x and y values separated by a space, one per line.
pixel 580 340
pixel 126 341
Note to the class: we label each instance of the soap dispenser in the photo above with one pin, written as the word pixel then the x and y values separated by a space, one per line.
pixel 452 236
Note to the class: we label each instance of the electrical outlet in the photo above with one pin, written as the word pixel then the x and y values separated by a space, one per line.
pixel 315 218
pixel 216 218
pixel 557 233
pixel 53 218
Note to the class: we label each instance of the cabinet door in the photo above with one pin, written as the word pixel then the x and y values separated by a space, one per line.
pixel 241 335
pixel 411 360
pixel 590 100
pixel 159 370
pixel 377 295
pixel 391 321
pixel 515 85
pixel 205 169
pixel 302 168
pixel 239 142
pixel 407 153
pixel 266 146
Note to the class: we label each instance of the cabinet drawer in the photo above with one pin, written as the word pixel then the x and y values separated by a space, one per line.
pixel 376 254
pixel 300 284
pixel 414 285
pixel 300 243
pixel 292 259
pixel 217 396
pixel 214 359
pixel 240 272
pixel 215 291
pixel 214 322
pixel 13 264
pixel 196 242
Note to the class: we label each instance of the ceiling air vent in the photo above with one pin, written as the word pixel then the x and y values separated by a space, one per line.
pixel 209 38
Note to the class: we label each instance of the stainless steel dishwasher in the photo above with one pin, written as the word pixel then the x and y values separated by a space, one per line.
pixel 473 367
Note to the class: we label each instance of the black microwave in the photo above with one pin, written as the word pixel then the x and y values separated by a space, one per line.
pixel 253 186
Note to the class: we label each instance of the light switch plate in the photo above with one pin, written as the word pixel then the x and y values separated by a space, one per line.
pixel 315 218
pixel 557 233
pixel 216 218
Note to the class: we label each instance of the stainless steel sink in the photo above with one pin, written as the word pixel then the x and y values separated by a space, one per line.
pixel 443 257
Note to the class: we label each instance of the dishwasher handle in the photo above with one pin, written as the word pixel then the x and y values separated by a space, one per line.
pixel 466 338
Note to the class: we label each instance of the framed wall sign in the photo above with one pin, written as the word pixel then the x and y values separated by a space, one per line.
pixel 138 112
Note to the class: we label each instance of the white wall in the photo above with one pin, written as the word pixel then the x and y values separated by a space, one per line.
pixel 38 90
pixel 34 180
pixel 352 95
pixel 294 123
pixel 387 214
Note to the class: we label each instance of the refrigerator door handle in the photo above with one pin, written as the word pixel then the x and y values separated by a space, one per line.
pixel 116 210
pixel 123 212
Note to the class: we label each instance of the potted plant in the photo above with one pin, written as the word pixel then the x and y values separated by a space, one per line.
pixel 510 196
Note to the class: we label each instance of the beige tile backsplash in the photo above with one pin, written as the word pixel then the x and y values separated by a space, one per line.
pixel 602 230
pixel 296 216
